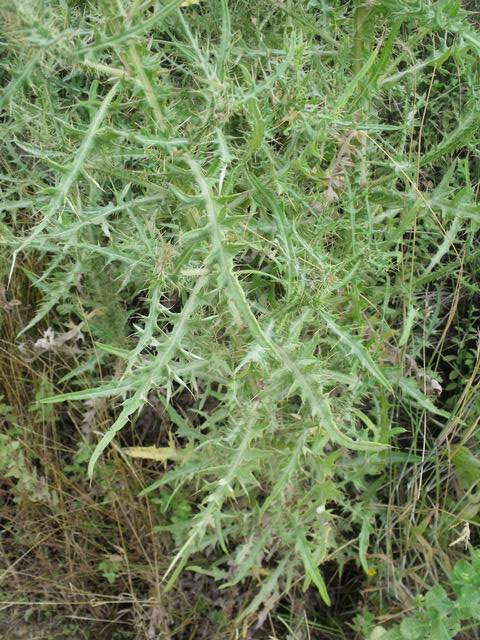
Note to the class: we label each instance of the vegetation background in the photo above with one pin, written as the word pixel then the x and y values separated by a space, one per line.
pixel 239 350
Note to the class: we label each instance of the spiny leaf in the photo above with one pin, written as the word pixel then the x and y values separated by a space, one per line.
pixel 357 349
pixel 311 569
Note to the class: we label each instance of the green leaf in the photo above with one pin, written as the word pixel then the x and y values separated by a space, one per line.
pixel 311 569
pixel 353 346
pixel 410 388
pixel 107 390
pixel 363 542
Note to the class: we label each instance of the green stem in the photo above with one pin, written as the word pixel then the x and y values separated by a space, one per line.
pixel 359 36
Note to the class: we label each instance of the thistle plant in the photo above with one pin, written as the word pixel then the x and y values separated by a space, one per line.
pixel 271 209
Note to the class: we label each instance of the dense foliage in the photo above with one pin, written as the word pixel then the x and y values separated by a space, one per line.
pixel 240 314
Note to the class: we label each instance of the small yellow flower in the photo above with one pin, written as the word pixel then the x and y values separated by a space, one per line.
pixel 372 572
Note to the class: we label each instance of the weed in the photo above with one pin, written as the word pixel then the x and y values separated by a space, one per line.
pixel 240 263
